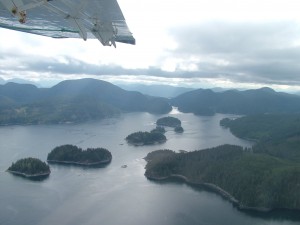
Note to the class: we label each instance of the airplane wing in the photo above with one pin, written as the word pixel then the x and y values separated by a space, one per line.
pixel 101 19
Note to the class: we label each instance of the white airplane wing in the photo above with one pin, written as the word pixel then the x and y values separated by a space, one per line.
pixel 101 19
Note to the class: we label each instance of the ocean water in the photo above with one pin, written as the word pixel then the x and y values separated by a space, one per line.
pixel 114 195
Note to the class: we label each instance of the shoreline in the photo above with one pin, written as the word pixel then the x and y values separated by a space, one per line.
pixel 143 144
pixel 216 189
pixel 57 123
pixel 80 163
pixel 30 176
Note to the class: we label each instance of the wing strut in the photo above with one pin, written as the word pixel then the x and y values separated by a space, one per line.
pixel 18 9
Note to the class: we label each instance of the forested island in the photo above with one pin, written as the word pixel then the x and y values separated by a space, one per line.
pixel 145 138
pixel 159 129
pixel 31 168
pixel 178 129
pixel 168 121
pixel 71 154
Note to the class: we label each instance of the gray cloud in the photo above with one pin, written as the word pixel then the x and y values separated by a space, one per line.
pixel 73 66
pixel 253 52
pixel 264 53
pixel 228 38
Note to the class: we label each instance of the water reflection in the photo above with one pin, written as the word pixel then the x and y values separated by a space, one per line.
pixel 277 214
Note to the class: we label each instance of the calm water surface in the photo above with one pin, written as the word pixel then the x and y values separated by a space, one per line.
pixel 114 195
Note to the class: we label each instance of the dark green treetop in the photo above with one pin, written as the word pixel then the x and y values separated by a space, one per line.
pixel 145 138
pixel 29 166
pixel 168 121
pixel 73 153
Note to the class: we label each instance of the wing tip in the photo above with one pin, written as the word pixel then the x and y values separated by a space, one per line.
pixel 126 40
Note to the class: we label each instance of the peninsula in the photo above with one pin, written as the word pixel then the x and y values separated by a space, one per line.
pixel 30 168
pixel 252 181
pixel 73 155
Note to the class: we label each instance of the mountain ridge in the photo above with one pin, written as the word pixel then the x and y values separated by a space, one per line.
pixel 72 101
pixel 253 101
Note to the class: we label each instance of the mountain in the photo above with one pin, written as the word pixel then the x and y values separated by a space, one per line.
pixel 263 100
pixel 72 101
pixel 22 81
pixel 18 81
pixel 20 93
pixel 166 91
pixel 219 89
pixel 108 93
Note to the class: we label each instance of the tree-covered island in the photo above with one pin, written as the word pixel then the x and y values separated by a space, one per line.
pixel 31 168
pixel 159 129
pixel 178 129
pixel 70 154
pixel 168 121
pixel 145 138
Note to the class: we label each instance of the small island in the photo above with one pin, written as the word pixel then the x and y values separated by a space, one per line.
pixel 73 155
pixel 31 168
pixel 145 138
pixel 168 121
pixel 178 129
pixel 159 129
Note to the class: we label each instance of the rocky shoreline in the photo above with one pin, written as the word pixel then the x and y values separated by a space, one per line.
pixel 213 188
pixel 89 164
pixel 149 143
pixel 36 176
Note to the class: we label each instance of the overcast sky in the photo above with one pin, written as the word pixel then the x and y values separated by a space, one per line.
pixel 199 43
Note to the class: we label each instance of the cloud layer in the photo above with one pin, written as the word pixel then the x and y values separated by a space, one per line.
pixel 245 52
pixel 239 52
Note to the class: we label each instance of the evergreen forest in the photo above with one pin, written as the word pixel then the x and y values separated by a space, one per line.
pixel 74 154
pixel 263 177
pixel 29 166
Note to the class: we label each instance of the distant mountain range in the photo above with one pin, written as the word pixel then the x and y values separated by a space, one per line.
pixel 72 101
pixel 263 100
pixel 18 81
pixel 166 91
pixel 86 99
